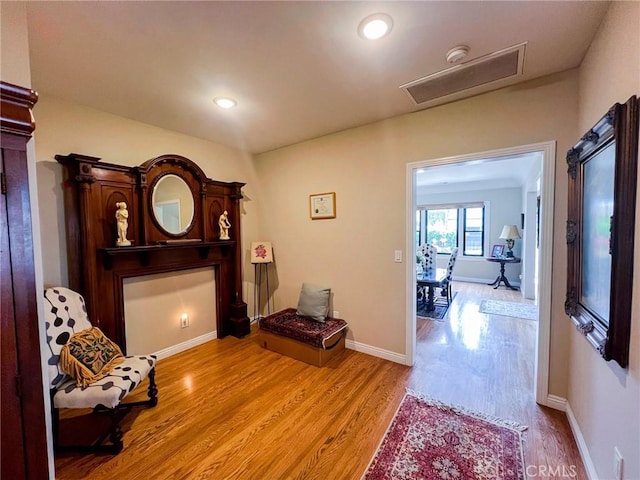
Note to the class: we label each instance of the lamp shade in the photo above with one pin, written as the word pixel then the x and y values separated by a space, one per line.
pixel 510 232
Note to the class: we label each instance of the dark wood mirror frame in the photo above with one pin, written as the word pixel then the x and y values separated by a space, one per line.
pixel 618 129
pixel 97 268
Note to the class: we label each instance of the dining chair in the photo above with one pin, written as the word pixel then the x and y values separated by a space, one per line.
pixel 428 254
pixel 445 285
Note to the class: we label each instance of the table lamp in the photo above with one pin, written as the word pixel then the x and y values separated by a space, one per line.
pixel 510 233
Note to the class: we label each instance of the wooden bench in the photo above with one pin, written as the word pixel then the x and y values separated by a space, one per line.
pixel 295 336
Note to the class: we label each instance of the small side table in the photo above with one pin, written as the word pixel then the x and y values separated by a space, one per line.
pixel 501 278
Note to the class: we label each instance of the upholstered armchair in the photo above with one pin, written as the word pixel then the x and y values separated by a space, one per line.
pixel 66 315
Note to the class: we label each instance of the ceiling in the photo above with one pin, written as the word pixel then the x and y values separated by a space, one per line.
pixel 519 171
pixel 298 69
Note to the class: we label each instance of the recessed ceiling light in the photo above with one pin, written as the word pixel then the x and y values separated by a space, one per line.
pixel 225 102
pixel 375 26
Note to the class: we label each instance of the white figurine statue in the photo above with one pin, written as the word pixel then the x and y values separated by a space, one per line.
pixel 122 217
pixel 224 224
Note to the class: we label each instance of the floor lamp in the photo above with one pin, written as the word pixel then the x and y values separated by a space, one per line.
pixel 261 257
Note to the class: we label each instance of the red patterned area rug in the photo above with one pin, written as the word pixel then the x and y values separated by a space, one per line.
pixel 430 440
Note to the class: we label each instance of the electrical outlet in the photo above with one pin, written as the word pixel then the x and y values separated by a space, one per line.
pixel 618 464
pixel 336 314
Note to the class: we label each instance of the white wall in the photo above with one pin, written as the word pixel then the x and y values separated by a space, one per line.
pixel 604 398
pixel 529 246
pixel 503 207
pixel 530 192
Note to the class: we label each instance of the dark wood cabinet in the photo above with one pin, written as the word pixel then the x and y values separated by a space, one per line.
pixel 97 266
pixel 24 440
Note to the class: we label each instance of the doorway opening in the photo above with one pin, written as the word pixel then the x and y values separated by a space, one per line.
pixel 541 254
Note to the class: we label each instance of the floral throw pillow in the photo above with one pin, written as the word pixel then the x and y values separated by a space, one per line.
pixel 89 356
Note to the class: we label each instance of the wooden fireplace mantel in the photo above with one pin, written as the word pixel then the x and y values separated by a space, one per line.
pixel 98 268
pixel 144 253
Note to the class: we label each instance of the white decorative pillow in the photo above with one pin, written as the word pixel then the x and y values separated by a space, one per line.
pixel 314 302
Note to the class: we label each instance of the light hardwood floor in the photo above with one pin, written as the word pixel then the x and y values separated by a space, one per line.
pixel 231 410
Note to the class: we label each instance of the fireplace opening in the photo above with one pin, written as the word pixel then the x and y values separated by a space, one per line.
pixel 157 307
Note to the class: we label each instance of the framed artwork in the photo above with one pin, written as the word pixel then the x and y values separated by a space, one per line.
pixel 602 169
pixel 261 252
pixel 322 205
pixel 497 251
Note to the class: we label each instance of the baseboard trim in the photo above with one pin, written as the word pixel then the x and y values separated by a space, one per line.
pixel 376 352
pixel 556 402
pixel 582 444
pixel 181 347
pixel 559 403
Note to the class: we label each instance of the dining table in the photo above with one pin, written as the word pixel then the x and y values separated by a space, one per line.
pixel 431 278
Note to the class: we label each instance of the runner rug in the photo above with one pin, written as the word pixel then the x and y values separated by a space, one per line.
pixel 430 440
pixel 509 309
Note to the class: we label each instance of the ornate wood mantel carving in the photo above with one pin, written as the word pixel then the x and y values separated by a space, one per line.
pixel 97 268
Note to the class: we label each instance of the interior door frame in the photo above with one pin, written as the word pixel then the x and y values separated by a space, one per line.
pixel 547 184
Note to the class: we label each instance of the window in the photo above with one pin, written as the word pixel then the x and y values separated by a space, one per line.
pixel 440 227
pixel 473 231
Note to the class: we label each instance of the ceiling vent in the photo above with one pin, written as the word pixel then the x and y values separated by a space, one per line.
pixel 480 75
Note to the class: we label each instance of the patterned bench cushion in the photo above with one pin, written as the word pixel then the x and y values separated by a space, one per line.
pixel 289 324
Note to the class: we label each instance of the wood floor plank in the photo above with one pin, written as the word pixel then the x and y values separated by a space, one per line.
pixel 230 409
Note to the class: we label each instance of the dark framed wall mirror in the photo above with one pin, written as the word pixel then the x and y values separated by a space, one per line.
pixel 602 169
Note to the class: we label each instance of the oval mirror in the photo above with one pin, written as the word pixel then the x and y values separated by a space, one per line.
pixel 172 204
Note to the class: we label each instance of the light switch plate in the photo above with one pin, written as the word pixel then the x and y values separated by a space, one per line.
pixel 397 256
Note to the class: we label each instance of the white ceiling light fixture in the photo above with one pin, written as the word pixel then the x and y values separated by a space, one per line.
pixel 457 54
pixel 375 26
pixel 225 102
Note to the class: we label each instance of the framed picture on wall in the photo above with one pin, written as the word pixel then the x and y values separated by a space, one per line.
pixel 602 169
pixel 497 251
pixel 322 205
pixel 261 252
